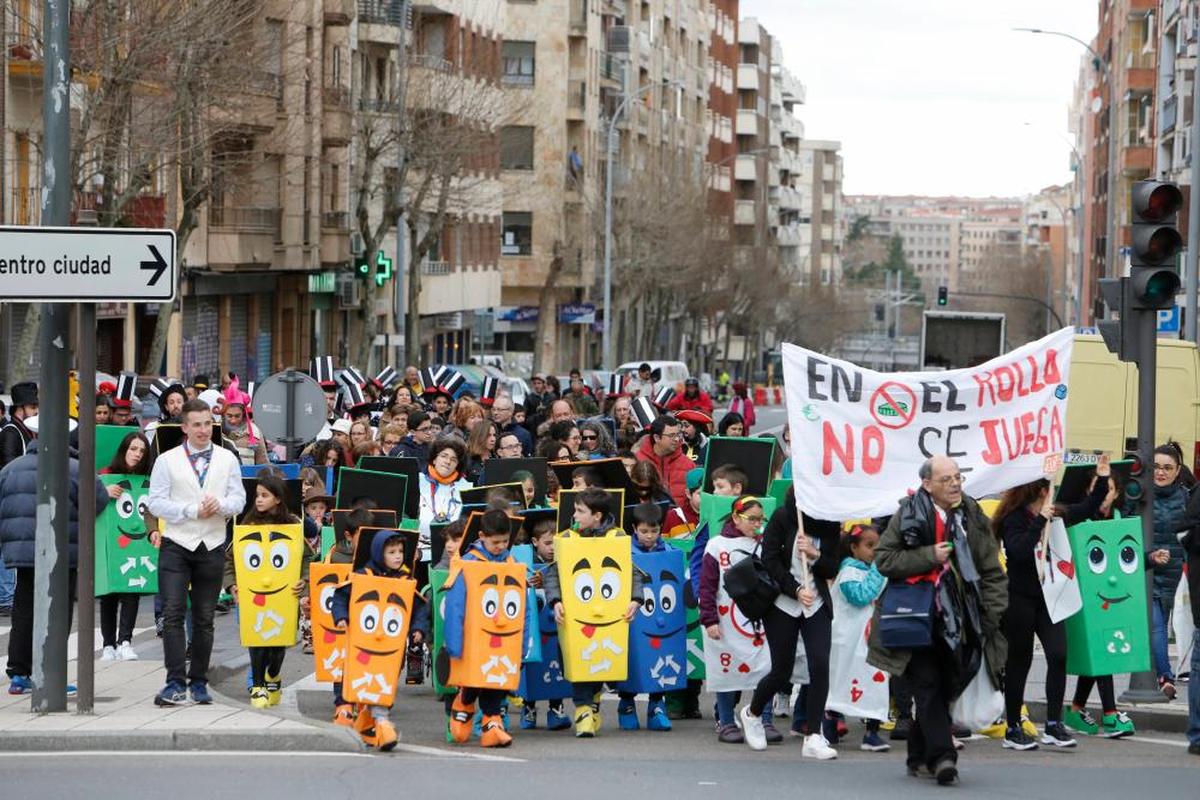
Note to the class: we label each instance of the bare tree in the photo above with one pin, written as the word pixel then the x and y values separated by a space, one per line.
pixel 430 163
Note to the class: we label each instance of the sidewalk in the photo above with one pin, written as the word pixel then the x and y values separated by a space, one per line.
pixel 125 718
pixel 1169 717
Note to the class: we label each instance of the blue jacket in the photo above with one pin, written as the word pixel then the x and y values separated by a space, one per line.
pixel 340 608
pixel 18 509
pixel 522 436
pixel 696 559
pixel 659 547
pixel 456 601
pixel 866 584
pixel 1170 519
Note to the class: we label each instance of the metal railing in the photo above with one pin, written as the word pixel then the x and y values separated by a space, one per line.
pixel 335 220
pixel 336 98
pixel 385 12
pixel 577 95
pixel 246 219
pixel 24 205
pixel 435 268
pixel 378 106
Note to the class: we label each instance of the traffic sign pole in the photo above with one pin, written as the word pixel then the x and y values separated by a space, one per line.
pixel 86 575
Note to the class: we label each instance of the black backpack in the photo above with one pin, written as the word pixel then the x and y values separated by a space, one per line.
pixel 751 587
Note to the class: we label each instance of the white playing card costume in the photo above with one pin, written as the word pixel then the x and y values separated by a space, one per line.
pixel 740 658
pixel 856 689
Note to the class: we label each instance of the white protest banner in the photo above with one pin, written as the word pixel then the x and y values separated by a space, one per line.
pixel 859 436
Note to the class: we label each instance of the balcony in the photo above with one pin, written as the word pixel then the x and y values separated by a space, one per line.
pixel 789 235
pixel 746 168
pixel 612 69
pixel 1137 160
pixel 576 99
pixel 614 8
pixel 335 221
pixel 1139 80
pixel 748 77
pixel 745 212
pixel 243 235
pixel 338 12
pixel 1170 113
pixel 747 122
pixel 24 52
pixel 578 18
pixel 335 237
pixel 380 12
pixel 435 268
pixel 377 105
pixel 336 121
pixel 460 289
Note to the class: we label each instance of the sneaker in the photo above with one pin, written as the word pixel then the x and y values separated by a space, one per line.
pixel 1118 725
pixel 557 720
pixel 945 771
pixel 585 723
pixel 200 695
pixel 343 715
pixel 259 697
pixel 173 694
pixel 20 684
pixel 125 652
pixel 657 719
pixel 1017 739
pixel 528 717
pixel 873 743
pixel 730 734
pixel 1081 721
pixel 752 729
pixel 109 654
pixel 627 718
pixel 1056 735
pixel 1167 687
pixel 816 747
pixel 1027 724
pixel 902 729
pixel 773 734
pixel 781 706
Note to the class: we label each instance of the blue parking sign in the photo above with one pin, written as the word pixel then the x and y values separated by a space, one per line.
pixel 1168 320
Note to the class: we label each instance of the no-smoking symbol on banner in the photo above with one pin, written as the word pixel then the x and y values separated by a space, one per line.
pixel 893 405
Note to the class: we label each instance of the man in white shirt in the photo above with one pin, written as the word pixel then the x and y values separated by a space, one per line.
pixel 194 489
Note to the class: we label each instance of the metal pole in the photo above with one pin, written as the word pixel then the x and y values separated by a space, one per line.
pixel 290 380
pixel 1143 686
pixel 1049 285
pixel 1111 268
pixel 606 332
pixel 51 604
pixel 1191 271
pixel 86 577
pixel 401 272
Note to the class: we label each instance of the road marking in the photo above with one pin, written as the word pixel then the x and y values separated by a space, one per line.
pixel 179 753
pixel 1171 742
pixel 438 752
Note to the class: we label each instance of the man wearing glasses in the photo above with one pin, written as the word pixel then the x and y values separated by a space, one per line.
pixel 502 415
pixel 940 535
pixel 420 435
pixel 509 446
pixel 663 448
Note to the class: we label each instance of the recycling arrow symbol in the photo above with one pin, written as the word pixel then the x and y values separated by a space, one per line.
pixel 159 265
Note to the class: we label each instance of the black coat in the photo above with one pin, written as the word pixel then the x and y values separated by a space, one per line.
pixel 18 509
pixel 14 437
pixel 779 540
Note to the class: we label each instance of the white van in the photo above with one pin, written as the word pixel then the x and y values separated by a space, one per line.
pixel 670 372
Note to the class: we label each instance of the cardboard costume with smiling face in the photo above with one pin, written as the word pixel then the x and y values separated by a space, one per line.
pixel 596 575
pixel 377 636
pixel 329 643
pixel 658 636
pixel 492 621
pixel 267 561
pixel 126 561
pixel 1110 635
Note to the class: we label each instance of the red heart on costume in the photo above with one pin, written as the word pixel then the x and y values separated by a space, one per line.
pixel 879 677
pixel 123 541
pixel 855 694
pixel 743 668
pixel 723 609
pixel 1067 568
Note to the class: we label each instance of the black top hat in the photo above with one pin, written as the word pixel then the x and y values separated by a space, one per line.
pixel 386 377
pixel 200 382
pixel 487 393
pixel 351 389
pixel 616 385
pixel 663 396
pixel 126 383
pixel 322 371
pixel 644 411
pixel 24 394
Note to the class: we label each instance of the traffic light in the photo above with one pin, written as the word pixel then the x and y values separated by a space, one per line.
pixel 362 267
pixel 943 295
pixel 1155 243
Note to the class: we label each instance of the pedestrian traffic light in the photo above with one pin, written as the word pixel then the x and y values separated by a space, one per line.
pixel 1155 243
pixel 363 267
pixel 943 295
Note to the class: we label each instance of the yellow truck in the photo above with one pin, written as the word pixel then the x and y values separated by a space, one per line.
pixel 1102 400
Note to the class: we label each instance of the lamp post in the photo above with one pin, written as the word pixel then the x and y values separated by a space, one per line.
pixel 610 146
pixel 1106 70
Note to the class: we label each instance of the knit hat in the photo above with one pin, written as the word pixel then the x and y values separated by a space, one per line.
pixel 694 478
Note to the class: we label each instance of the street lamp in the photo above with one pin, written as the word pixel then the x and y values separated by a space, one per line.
pixel 1098 64
pixel 610 142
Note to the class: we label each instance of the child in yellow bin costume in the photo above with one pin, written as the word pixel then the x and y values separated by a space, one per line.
pixel 377 607
pixel 603 593
pixel 484 631
pixel 270 566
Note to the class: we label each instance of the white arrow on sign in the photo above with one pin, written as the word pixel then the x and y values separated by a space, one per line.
pixel 87 265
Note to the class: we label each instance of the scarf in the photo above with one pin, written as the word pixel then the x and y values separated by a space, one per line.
pixel 433 476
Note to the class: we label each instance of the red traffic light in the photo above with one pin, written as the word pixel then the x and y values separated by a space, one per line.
pixel 1135 463
pixel 1153 201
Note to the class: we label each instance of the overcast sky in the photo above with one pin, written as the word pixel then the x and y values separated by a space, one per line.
pixel 933 96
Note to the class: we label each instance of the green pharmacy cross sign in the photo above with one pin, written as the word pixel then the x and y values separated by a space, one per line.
pixel 383 268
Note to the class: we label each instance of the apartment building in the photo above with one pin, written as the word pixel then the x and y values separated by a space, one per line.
pixel 564 97
pixel 819 183
pixel 792 197
pixel 756 211
pixel 1052 238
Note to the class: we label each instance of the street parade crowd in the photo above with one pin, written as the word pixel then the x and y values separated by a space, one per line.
pixel 525 558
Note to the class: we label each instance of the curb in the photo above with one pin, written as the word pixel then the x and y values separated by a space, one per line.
pixel 315 740
pixel 1150 719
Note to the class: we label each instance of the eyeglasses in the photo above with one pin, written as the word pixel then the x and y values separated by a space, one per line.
pixel 424 428
pixel 675 435
pixel 755 518
pixel 590 437
pixel 510 446
pixel 952 479
pixel 1165 467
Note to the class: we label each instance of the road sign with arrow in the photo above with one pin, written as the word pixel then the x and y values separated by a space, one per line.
pixel 87 265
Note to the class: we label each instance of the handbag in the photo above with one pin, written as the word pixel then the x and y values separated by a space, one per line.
pixel 906 615
pixel 751 587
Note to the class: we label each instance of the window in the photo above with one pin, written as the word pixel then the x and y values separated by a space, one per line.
pixel 518 63
pixel 516 147
pixel 516 235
